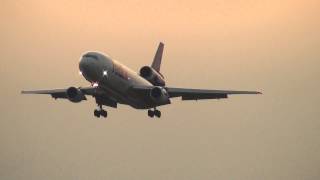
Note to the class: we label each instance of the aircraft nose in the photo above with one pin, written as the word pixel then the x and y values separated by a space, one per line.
pixel 89 69
pixel 86 69
pixel 83 64
pixel 87 61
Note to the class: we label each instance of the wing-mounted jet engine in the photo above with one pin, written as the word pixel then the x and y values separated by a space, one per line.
pixel 75 94
pixel 159 95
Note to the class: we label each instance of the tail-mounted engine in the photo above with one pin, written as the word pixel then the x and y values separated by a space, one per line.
pixel 75 95
pixel 159 95
pixel 152 76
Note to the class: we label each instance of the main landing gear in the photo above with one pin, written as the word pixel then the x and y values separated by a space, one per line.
pixel 155 112
pixel 100 112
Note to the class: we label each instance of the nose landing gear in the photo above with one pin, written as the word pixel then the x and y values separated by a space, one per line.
pixel 100 112
pixel 155 112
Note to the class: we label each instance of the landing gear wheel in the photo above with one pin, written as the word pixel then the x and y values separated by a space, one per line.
pixel 157 113
pixel 100 112
pixel 104 113
pixel 96 113
pixel 150 113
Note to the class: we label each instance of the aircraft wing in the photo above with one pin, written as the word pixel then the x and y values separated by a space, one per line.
pixel 62 93
pixel 195 94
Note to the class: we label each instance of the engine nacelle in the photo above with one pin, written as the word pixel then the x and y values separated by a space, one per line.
pixel 159 95
pixel 75 94
pixel 152 76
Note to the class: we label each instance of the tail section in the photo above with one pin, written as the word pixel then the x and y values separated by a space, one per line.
pixel 157 58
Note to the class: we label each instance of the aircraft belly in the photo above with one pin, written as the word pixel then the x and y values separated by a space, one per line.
pixel 119 89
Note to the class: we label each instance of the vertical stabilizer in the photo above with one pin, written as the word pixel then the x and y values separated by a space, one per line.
pixel 157 58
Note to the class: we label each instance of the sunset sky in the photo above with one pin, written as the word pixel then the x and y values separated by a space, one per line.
pixel 272 46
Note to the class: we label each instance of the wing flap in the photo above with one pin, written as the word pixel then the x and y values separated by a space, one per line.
pixel 204 96
pixel 198 94
pixel 55 93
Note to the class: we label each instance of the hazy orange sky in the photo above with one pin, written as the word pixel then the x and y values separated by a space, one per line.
pixel 271 46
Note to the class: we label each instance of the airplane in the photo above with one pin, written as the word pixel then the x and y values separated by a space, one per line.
pixel 112 83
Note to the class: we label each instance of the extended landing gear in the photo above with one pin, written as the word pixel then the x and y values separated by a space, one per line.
pixel 155 112
pixel 100 112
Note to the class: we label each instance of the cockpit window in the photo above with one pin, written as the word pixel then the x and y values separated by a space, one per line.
pixel 90 56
